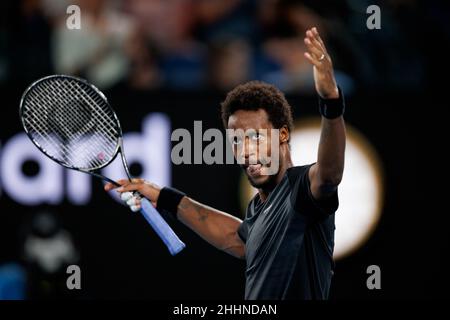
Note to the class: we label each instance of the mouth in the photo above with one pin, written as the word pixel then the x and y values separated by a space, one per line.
pixel 253 170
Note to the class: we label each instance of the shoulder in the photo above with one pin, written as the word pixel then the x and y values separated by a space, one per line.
pixel 301 197
pixel 297 173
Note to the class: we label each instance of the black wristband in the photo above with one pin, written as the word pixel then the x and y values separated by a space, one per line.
pixel 332 108
pixel 169 199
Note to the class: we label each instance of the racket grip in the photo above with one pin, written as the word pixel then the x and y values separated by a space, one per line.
pixel 164 231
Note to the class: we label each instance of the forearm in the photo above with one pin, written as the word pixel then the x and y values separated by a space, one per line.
pixel 327 173
pixel 216 227
pixel 330 159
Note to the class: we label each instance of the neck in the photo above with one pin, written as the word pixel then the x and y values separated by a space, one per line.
pixel 284 165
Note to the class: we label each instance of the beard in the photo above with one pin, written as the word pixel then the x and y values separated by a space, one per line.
pixel 266 182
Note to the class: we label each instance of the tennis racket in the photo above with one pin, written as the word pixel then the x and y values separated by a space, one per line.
pixel 72 123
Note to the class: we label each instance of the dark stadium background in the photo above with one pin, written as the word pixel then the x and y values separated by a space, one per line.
pixel 387 74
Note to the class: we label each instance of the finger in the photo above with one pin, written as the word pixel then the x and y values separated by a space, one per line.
pixel 126 196
pixel 138 202
pixel 135 208
pixel 316 52
pixel 130 187
pixel 110 186
pixel 316 34
pixel 318 38
pixel 311 59
pixel 137 195
pixel 315 41
pixel 133 201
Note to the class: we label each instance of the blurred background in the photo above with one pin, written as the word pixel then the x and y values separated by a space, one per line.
pixel 164 64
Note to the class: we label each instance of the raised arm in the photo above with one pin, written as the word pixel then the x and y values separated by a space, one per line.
pixel 326 174
pixel 216 227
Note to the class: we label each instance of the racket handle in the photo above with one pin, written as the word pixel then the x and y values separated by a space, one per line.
pixel 164 231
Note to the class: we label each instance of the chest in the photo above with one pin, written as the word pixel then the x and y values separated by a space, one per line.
pixel 269 223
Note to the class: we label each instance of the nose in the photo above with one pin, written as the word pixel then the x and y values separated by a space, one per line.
pixel 250 152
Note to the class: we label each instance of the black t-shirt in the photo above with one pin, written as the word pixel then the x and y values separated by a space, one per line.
pixel 289 241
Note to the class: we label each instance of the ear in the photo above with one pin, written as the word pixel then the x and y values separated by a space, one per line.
pixel 284 135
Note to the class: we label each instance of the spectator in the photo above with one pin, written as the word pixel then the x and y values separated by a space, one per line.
pixel 225 19
pixel 28 30
pixel 169 25
pixel 285 23
pixel 96 51
pixel 143 73
pixel 230 64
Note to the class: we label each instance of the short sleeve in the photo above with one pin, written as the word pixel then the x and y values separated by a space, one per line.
pixel 302 198
pixel 243 231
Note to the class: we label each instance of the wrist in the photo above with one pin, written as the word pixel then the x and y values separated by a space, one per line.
pixel 332 94
pixel 332 108
pixel 151 191
pixel 169 199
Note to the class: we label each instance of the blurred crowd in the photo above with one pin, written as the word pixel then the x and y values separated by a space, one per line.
pixel 208 44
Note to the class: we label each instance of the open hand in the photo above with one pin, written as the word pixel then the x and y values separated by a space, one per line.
pixel 323 67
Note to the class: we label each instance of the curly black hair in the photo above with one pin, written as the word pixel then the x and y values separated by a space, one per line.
pixel 255 95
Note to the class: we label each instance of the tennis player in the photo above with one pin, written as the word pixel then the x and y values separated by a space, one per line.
pixel 287 236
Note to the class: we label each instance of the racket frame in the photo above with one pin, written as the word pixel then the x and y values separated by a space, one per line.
pixel 118 147
pixel 174 246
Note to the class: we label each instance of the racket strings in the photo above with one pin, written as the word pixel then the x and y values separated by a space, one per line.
pixel 55 139
pixel 105 126
pixel 72 122
pixel 54 146
pixel 64 119
pixel 43 122
pixel 74 104
pixel 44 137
pixel 100 108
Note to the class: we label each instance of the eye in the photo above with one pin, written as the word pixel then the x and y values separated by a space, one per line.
pixel 257 137
pixel 236 140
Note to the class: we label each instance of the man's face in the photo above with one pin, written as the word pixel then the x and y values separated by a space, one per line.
pixel 251 143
